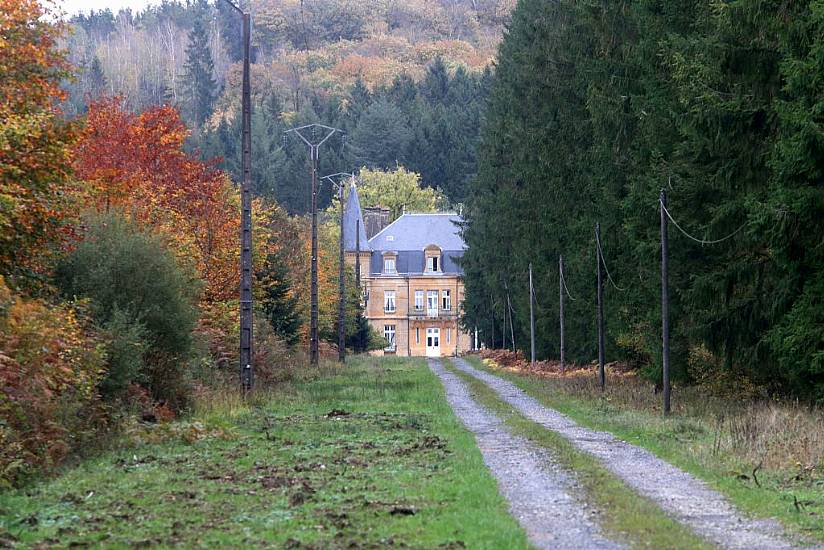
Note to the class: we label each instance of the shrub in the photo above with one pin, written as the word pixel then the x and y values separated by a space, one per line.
pixel 142 297
pixel 125 350
pixel 50 365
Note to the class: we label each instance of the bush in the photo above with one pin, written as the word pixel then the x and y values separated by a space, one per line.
pixel 142 298
pixel 125 350
pixel 50 365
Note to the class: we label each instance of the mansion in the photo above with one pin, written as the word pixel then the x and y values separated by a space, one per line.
pixel 412 285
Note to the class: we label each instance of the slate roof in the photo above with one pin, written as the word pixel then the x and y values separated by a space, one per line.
pixel 417 231
pixel 351 214
pixel 411 262
pixel 410 234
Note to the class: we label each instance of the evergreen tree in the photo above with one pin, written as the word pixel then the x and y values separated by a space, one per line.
pixel 199 82
pixel 95 79
pixel 382 136
pixel 593 110
pixel 359 101
pixel 279 305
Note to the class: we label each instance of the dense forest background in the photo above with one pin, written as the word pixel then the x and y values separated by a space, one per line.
pixel 594 109
pixel 119 200
pixel 406 80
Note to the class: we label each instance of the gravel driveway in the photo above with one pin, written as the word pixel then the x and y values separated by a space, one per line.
pixel 682 496
pixel 541 495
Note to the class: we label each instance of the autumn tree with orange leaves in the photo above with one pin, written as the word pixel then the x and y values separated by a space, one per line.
pixel 137 164
pixel 34 141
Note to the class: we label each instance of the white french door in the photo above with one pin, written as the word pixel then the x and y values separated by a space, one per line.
pixel 433 342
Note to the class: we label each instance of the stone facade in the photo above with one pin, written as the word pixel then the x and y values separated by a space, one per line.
pixel 412 284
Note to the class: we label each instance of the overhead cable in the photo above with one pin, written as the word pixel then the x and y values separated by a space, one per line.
pixel 696 239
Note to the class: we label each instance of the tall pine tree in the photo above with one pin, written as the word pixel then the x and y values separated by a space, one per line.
pixel 199 83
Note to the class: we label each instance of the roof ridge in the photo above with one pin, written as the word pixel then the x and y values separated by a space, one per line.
pixel 430 214
pixel 376 235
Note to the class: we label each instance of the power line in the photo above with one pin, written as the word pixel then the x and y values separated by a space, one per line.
pixel 563 280
pixel 701 241
pixel 604 263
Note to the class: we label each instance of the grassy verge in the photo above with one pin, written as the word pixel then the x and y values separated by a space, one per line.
pixel 765 457
pixel 623 514
pixel 365 456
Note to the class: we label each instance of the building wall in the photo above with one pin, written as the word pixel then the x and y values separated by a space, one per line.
pixel 365 259
pixel 406 319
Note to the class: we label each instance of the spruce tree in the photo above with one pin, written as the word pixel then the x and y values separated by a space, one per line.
pixel 278 304
pixel 199 82
pixel 95 79
pixel 382 136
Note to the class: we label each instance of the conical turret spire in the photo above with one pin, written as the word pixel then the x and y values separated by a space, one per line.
pixel 351 216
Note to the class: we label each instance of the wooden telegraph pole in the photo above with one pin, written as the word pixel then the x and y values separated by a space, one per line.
pixel 246 311
pixel 531 316
pixel 598 259
pixel 665 301
pixel 561 306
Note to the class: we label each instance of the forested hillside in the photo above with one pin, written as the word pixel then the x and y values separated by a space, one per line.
pixel 405 80
pixel 597 107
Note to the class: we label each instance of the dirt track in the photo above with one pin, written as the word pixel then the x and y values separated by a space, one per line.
pixel 679 494
pixel 542 496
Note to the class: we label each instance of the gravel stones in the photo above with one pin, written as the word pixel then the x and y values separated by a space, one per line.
pixel 541 495
pixel 682 496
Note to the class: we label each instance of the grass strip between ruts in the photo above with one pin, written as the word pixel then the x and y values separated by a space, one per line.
pixel 623 514
pixel 685 443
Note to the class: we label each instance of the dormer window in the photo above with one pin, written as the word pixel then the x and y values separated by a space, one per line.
pixel 390 264
pixel 433 259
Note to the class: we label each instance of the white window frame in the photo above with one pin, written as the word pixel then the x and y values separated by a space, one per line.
pixel 389 304
pixel 417 335
pixel 446 299
pixel 390 265
pixel 389 333
pixel 433 263
pixel 431 298
pixel 448 335
pixel 419 300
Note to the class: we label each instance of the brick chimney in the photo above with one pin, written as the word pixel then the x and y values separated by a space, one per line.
pixel 375 218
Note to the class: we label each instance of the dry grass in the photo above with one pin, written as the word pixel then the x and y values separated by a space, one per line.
pixel 778 435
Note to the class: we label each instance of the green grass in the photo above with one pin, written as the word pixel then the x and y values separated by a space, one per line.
pixel 365 456
pixel 695 439
pixel 623 514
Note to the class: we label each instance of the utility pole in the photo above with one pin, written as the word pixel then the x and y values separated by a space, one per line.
pixel 341 279
pixel 598 259
pixel 503 332
pixel 314 143
pixel 341 291
pixel 246 311
pixel 561 306
pixel 531 315
pixel 665 301
pixel 492 322
pixel 357 256
pixel 511 326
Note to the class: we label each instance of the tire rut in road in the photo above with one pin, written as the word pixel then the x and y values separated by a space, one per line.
pixel 679 494
pixel 540 493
